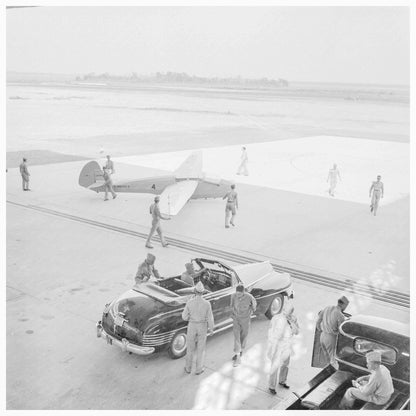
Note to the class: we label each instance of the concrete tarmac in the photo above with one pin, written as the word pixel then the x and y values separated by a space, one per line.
pixel 61 273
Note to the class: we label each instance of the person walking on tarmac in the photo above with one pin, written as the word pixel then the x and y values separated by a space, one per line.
pixel 156 217
pixel 243 305
pixel 329 320
pixel 108 184
pixel 333 176
pixel 24 172
pixel 283 327
pixel 231 206
pixel 198 313
pixel 377 190
pixel 244 161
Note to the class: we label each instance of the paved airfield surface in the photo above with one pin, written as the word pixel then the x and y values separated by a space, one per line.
pixel 61 272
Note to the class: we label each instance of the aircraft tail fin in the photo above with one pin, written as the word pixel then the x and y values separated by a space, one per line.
pixel 191 168
pixel 90 174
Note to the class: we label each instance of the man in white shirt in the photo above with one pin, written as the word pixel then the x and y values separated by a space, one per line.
pixel 377 387
pixel 244 161
pixel 333 176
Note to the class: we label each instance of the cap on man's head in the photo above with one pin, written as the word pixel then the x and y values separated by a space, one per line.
pixel 343 300
pixel 378 176
pixel 108 155
pixel 199 288
pixel 232 186
pixel 24 159
pixel 239 288
pixel 150 258
pixel 157 198
pixel 374 356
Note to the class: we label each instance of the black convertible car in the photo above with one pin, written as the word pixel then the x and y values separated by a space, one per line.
pixel 148 317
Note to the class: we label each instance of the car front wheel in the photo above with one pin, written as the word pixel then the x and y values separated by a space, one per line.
pixel 275 307
pixel 177 347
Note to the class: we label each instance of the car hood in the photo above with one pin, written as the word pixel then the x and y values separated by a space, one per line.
pixel 252 273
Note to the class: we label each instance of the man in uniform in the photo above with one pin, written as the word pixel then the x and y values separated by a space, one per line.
pixel 146 270
pixel 231 206
pixel 329 320
pixel 190 274
pixel 25 175
pixel 333 176
pixel 377 190
pixel 243 305
pixel 243 165
pixel 110 165
pixel 108 184
pixel 198 313
pixel 377 387
pixel 156 217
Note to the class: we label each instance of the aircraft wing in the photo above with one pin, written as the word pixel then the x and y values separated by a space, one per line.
pixel 191 168
pixel 175 196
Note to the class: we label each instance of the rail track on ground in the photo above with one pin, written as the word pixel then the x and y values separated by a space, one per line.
pixel 391 297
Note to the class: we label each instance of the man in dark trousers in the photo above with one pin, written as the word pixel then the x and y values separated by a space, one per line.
pixel 243 305
pixel 198 313
pixel 25 175
pixel 329 320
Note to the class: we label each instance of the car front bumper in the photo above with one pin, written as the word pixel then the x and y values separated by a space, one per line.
pixel 125 345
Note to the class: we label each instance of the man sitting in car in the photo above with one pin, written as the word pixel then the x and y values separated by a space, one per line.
pixel 377 387
pixel 190 274
pixel 147 271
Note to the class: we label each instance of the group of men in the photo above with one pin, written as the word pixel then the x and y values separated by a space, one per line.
pixel 376 192
pixel 377 387
pixel 376 189
pixel 198 314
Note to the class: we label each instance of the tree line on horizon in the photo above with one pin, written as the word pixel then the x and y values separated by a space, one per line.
pixel 184 78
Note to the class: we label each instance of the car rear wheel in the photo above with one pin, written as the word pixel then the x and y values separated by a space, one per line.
pixel 275 307
pixel 177 347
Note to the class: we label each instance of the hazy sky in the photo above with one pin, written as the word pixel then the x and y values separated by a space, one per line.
pixel 334 44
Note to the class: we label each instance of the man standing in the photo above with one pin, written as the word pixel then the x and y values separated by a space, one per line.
pixel 108 184
pixel 377 190
pixel 243 305
pixel 377 387
pixel 146 270
pixel 156 217
pixel 329 320
pixel 25 175
pixel 110 165
pixel 244 161
pixel 283 327
pixel 198 313
pixel 333 176
pixel 190 274
pixel 231 206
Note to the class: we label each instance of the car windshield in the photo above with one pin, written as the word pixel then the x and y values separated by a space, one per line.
pixel 363 346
